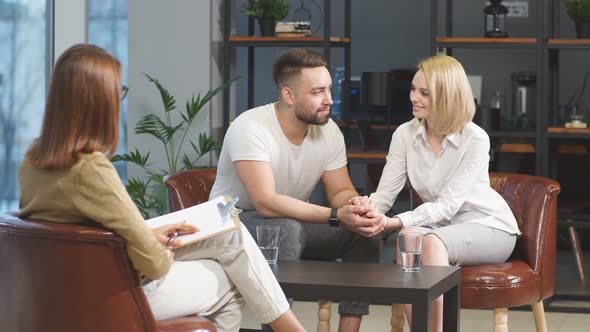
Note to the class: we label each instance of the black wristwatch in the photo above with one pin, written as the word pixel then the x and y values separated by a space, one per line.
pixel 333 220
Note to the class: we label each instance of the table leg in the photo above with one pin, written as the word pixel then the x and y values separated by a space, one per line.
pixel 324 314
pixel 397 318
pixel 451 310
pixel 421 316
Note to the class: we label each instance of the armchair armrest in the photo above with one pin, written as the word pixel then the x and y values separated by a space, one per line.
pixel 185 324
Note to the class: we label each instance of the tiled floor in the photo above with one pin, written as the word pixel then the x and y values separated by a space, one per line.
pixel 471 320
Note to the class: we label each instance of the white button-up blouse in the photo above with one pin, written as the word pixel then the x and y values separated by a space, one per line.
pixel 454 185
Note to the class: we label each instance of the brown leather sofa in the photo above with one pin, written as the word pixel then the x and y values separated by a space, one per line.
pixel 63 277
pixel 528 277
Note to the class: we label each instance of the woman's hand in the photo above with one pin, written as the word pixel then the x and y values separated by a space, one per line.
pixel 164 233
pixel 361 201
pixel 388 223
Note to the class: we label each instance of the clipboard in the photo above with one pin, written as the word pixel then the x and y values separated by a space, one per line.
pixel 214 217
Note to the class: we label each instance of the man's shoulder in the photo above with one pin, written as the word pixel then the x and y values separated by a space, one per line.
pixel 258 114
pixel 257 118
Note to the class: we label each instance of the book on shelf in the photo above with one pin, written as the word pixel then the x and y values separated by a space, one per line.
pixel 214 217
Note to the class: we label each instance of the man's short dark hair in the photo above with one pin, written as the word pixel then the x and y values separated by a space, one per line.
pixel 290 63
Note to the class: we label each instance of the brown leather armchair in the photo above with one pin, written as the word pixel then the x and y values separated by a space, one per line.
pixel 64 277
pixel 528 277
pixel 189 188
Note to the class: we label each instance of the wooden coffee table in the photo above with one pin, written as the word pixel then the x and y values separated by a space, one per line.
pixel 376 284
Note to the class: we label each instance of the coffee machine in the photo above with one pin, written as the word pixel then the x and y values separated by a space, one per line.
pixel 524 95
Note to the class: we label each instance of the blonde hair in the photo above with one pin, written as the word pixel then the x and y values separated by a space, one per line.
pixel 82 108
pixel 451 99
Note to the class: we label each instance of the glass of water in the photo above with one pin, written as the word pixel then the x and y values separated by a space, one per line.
pixel 410 246
pixel 268 242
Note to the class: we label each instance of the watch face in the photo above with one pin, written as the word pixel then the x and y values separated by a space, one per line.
pixel 334 222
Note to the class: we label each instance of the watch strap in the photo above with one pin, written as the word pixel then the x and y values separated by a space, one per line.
pixel 333 220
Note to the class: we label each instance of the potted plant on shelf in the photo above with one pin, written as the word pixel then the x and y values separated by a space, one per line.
pixel 268 12
pixel 579 12
pixel 149 194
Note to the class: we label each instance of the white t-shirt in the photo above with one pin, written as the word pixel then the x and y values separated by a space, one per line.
pixel 257 135
pixel 455 185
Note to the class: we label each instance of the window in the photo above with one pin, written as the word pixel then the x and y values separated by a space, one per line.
pixel 23 68
pixel 107 28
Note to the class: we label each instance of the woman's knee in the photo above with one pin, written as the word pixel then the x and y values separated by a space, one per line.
pixel 434 251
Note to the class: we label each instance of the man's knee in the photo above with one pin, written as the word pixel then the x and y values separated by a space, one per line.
pixel 292 239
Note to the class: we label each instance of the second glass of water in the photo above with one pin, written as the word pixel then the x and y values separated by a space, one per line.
pixel 410 246
pixel 268 242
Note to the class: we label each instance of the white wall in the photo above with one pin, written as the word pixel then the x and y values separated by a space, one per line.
pixel 69 25
pixel 172 42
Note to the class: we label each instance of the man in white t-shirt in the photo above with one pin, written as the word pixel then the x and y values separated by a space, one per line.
pixel 272 158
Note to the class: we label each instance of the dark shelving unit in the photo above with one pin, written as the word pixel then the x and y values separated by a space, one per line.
pixel 558 135
pixel 250 41
pixel 447 42
pixel 552 142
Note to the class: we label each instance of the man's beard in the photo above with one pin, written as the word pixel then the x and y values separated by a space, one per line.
pixel 312 119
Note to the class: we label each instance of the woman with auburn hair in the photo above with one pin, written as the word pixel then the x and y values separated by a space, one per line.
pixel 67 178
pixel 445 157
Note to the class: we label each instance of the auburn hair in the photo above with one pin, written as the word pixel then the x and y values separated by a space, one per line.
pixel 451 100
pixel 290 63
pixel 82 108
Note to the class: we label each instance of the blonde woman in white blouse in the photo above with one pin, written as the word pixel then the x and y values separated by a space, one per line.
pixel 445 157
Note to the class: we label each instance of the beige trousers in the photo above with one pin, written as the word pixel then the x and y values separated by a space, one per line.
pixel 213 278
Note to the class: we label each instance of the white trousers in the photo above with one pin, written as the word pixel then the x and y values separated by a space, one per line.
pixel 213 278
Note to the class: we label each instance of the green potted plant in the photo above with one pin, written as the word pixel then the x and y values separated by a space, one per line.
pixel 150 194
pixel 579 12
pixel 268 12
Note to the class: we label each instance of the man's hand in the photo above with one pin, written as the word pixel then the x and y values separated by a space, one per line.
pixel 163 233
pixel 361 201
pixel 355 218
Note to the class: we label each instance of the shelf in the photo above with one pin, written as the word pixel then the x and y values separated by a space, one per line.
pixel 465 42
pixel 366 154
pixel 512 134
pixel 578 220
pixel 312 41
pixel 561 132
pixel 573 44
pixel 516 148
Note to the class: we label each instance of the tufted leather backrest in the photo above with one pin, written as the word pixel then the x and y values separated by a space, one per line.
pixel 533 201
pixel 64 277
pixel 189 188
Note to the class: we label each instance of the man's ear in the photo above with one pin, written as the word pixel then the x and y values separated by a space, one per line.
pixel 288 95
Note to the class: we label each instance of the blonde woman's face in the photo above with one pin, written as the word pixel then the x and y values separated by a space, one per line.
pixel 419 96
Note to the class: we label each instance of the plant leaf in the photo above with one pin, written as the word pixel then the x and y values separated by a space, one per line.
pixel 168 100
pixel 187 163
pixel 151 124
pixel 135 157
pixel 196 104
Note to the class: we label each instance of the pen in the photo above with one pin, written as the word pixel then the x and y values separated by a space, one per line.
pixel 172 238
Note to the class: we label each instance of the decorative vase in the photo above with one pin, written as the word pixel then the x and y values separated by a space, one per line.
pixel 267 27
pixel 583 30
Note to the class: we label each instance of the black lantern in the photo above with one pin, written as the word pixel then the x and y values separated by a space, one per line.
pixel 302 19
pixel 495 20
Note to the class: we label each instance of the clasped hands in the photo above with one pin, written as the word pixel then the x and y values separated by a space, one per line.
pixel 360 216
